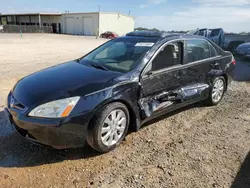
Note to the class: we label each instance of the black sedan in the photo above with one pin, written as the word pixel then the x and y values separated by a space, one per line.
pixel 119 85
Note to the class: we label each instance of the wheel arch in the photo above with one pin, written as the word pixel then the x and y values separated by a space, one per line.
pixel 135 121
pixel 214 74
pixel 226 79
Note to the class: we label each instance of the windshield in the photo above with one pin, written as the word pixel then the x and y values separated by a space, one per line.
pixel 122 54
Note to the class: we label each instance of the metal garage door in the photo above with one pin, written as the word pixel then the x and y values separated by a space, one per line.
pixel 88 26
pixel 70 25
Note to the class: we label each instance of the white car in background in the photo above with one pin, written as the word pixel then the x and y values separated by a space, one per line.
pixel 1 28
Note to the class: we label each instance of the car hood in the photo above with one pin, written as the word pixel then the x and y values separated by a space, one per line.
pixel 61 81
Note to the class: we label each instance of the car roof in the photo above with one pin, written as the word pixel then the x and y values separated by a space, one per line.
pixel 159 34
pixel 162 35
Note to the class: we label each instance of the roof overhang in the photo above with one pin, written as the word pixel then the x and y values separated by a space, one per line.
pixel 32 14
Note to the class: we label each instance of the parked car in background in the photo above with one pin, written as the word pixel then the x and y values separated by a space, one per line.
pixel 119 85
pixel 243 50
pixel 224 40
pixel 109 35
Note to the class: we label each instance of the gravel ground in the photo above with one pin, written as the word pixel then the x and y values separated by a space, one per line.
pixel 197 146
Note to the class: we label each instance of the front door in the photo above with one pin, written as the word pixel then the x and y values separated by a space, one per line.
pixel 162 76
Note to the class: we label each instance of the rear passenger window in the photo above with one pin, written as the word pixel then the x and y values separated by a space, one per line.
pixel 213 53
pixel 198 50
pixel 169 56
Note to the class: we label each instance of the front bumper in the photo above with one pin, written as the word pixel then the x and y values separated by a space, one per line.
pixel 60 134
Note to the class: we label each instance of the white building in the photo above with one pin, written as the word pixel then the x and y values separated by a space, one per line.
pixel 92 24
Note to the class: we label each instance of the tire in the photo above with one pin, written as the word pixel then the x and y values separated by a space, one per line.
pixel 103 133
pixel 219 84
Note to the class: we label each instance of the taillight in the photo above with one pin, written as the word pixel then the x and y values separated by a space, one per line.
pixel 234 62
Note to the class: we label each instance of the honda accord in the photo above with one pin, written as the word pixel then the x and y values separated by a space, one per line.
pixel 118 86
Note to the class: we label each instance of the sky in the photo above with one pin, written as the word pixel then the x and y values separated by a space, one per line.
pixel 232 15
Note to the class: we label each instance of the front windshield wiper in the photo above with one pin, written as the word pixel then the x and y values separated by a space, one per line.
pixel 98 66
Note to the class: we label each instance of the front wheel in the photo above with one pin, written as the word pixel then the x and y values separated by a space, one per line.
pixel 217 92
pixel 109 127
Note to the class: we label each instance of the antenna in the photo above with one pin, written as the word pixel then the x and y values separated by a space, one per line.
pixel 99 8
pixel 129 12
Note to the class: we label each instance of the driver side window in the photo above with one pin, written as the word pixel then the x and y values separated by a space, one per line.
pixel 170 55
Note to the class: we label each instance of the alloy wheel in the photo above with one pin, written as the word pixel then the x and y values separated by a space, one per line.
pixel 113 127
pixel 218 90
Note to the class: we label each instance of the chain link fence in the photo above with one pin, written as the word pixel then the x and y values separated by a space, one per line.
pixel 26 29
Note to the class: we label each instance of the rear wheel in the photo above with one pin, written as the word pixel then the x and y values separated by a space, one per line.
pixel 109 127
pixel 217 91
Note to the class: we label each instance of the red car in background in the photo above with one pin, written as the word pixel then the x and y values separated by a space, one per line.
pixel 109 35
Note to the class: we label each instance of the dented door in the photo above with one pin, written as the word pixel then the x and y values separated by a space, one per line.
pixel 158 90
pixel 199 60
pixel 161 80
pixel 155 83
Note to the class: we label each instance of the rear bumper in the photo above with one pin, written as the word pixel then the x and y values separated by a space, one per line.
pixel 57 134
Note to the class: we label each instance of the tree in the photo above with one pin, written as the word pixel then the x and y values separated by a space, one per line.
pixel 145 29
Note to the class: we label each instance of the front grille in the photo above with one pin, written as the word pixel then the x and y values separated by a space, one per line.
pixel 19 106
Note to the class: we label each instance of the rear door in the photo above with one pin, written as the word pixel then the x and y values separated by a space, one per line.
pixel 200 60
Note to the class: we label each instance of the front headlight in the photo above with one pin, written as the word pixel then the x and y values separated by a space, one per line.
pixel 55 109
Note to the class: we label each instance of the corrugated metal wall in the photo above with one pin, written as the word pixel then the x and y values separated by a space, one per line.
pixel 80 23
pixel 116 22
pixel 92 24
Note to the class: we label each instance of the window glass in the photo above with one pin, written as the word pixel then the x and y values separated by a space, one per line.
pixel 169 56
pixel 214 32
pixel 9 18
pixel 213 53
pixel 122 54
pixel 116 50
pixel 4 20
pixel 201 32
pixel 102 54
pixel 197 50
